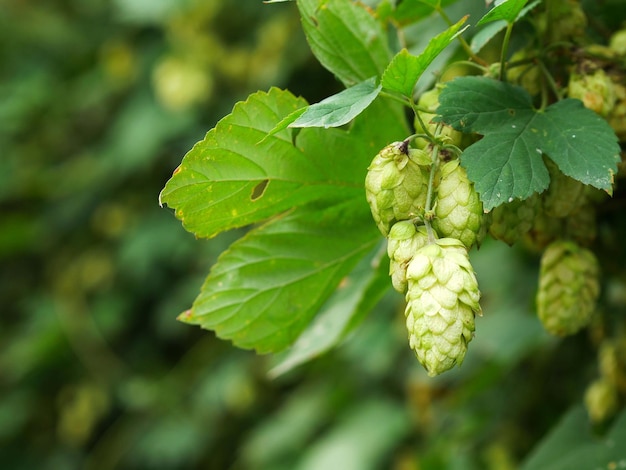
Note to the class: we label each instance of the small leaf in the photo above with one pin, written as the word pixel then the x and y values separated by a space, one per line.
pixel 508 162
pixel 508 10
pixel 264 290
pixel 285 122
pixel 405 69
pixel 411 11
pixel 482 37
pixel 345 38
pixel 341 108
pixel 354 296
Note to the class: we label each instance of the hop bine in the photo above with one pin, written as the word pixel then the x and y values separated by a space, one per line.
pixel 442 301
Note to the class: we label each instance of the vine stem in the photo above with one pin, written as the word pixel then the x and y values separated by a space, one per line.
pixel 416 110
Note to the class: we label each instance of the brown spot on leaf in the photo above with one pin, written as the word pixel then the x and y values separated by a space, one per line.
pixel 259 190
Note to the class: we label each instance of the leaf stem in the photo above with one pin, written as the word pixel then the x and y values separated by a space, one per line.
pixel 505 48
pixel 550 79
pixel 395 97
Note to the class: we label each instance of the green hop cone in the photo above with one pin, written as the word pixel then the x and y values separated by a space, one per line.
pixel 601 400
pixel 581 225
pixel 526 74
pixel 395 186
pixel 512 220
pixel 568 287
pixel 430 100
pixel 595 90
pixel 564 195
pixel 403 242
pixel 442 301
pixel 458 211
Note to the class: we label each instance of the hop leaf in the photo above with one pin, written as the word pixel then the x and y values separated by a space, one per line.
pixel 459 212
pixel 395 186
pixel 568 287
pixel 510 221
pixel 404 241
pixel 442 301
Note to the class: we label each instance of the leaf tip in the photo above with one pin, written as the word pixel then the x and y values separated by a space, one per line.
pixel 186 316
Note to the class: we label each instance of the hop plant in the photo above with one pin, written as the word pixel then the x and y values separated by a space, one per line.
pixel 458 211
pixel 568 287
pixel 510 221
pixel 442 302
pixel 396 185
pixel 403 242
pixel 595 90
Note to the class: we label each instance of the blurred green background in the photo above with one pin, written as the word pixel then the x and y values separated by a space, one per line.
pixel 99 101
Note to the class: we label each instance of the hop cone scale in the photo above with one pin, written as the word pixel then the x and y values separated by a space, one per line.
pixel 395 186
pixel 568 287
pixel 442 301
pixel 459 212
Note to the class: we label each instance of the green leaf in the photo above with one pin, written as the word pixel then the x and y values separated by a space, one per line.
pixel 356 295
pixel 341 108
pixel 231 179
pixel 508 162
pixel 508 10
pixel 264 290
pixel 411 11
pixel 405 69
pixel 571 444
pixel 345 38
pixel 483 36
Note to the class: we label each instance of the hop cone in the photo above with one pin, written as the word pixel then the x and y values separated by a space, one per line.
pixel 395 186
pixel 512 220
pixel 581 226
pixel 601 400
pixel 568 287
pixel 564 196
pixel 459 212
pixel 430 100
pixel 403 242
pixel 442 301
pixel 596 91
pixel 527 75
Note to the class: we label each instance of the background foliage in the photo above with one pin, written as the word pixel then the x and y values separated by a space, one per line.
pixel 99 101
